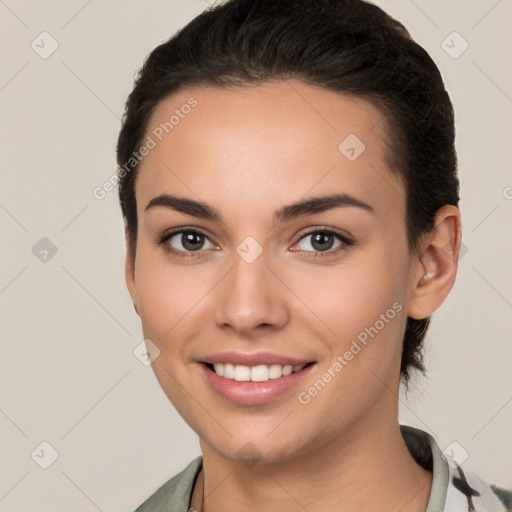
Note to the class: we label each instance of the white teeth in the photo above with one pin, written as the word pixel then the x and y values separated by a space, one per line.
pixel 287 369
pixel 259 373
pixel 275 371
pixel 229 371
pixel 242 373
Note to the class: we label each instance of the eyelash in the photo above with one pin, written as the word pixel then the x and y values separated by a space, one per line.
pixel 346 242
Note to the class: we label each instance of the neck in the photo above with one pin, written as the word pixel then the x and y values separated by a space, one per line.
pixel 362 471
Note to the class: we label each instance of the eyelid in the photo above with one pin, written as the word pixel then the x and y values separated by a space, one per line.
pixel 343 237
pixel 167 235
pixel 175 231
pixel 345 241
pixel 326 229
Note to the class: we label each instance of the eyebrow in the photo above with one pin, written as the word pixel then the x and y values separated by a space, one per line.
pixel 285 214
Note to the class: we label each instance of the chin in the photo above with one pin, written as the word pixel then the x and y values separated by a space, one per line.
pixel 258 450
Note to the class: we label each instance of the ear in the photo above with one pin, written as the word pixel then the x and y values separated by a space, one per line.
pixel 436 265
pixel 129 271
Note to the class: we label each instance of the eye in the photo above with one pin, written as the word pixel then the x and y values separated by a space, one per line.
pixel 322 241
pixel 189 243
pixel 185 242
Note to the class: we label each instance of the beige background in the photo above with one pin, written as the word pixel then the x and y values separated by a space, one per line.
pixel 68 375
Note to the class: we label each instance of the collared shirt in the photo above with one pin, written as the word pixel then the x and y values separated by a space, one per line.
pixel 454 489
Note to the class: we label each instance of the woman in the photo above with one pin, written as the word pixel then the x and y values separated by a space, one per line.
pixel 287 176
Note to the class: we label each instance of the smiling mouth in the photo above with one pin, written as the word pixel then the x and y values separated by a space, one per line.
pixel 257 373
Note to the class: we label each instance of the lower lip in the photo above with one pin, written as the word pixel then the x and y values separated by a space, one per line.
pixel 253 393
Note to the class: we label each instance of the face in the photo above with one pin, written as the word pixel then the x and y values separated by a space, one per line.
pixel 245 279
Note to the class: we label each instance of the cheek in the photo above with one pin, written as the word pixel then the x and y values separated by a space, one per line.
pixel 167 295
pixel 361 312
pixel 169 298
pixel 351 296
pixel 358 310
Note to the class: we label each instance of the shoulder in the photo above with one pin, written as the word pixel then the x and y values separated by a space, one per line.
pixel 467 491
pixel 455 487
pixel 174 495
pixel 504 495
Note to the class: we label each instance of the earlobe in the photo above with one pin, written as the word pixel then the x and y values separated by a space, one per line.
pixel 437 265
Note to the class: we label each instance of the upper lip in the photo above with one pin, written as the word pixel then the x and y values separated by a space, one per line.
pixel 253 359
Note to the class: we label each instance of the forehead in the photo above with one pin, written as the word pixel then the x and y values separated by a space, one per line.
pixel 265 145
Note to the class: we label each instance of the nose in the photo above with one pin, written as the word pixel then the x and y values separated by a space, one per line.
pixel 251 298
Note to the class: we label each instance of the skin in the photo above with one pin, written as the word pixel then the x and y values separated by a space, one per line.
pixel 248 152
